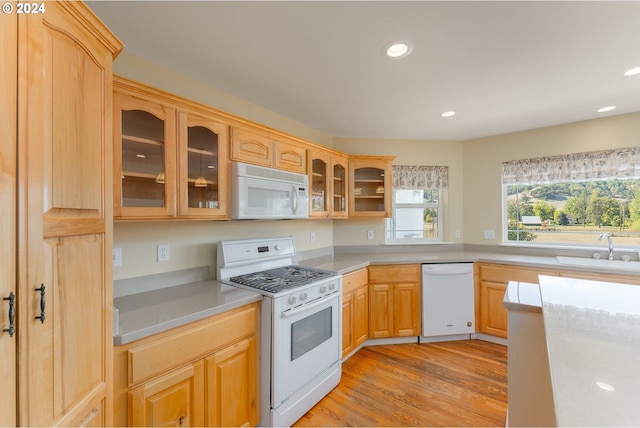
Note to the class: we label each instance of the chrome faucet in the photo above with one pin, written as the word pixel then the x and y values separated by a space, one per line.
pixel 608 236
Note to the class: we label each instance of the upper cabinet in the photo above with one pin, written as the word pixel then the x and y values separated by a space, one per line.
pixel 170 160
pixel 370 186
pixel 328 173
pixel 259 148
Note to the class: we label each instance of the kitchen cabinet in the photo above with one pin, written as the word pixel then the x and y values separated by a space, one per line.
pixel 355 310
pixel 370 186
pixel 170 156
pixel 205 373
pixel 259 147
pixel 328 174
pixel 394 300
pixel 491 282
pixel 60 237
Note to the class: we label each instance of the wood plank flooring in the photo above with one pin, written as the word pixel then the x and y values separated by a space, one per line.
pixel 461 383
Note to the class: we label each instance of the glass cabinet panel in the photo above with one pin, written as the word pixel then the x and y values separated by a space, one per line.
pixel 203 167
pixel 143 159
pixel 339 189
pixel 319 195
pixel 368 189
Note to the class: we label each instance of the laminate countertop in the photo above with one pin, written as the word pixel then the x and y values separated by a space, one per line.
pixel 592 331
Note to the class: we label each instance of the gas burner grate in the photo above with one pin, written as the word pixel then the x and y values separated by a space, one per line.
pixel 283 278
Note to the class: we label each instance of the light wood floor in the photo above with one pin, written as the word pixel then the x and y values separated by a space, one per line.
pixel 461 383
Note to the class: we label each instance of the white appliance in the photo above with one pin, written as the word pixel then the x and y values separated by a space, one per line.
pixel 447 300
pixel 267 193
pixel 300 324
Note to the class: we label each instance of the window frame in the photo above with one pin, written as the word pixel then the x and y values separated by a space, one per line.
pixel 390 222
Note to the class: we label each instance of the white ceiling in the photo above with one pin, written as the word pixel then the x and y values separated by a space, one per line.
pixel 502 66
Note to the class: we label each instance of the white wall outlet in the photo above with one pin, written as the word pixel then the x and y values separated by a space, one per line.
pixel 369 234
pixel 457 233
pixel 163 252
pixel 489 234
pixel 117 257
pixel 312 237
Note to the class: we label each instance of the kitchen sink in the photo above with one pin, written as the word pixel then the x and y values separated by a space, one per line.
pixel 599 263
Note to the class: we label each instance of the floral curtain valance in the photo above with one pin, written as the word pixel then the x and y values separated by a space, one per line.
pixel 621 163
pixel 420 177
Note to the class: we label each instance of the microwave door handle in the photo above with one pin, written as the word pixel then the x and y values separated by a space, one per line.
pixel 294 200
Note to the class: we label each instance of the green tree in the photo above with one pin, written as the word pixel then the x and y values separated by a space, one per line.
pixel 516 232
pixel 544 210
pixel 559 217
pixel 577 206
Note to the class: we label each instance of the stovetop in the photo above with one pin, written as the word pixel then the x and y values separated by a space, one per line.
pixel 282 278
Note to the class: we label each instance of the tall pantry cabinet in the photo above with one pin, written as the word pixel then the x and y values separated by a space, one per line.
pixel 61 192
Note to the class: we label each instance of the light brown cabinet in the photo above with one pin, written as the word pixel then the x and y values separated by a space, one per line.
pixel 170 156
pixel 328 178
pixel 355 310
pixel 259 147
pixel 394 300
pixel 202 374
pixel 490 284
pixel 56 193
pixel 370 186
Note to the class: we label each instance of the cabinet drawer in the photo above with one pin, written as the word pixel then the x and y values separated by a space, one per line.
pixel 163 354
pixel 504 274
pixel 354 280
pixel 394 273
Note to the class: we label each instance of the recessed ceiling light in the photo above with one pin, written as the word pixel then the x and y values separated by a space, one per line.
pixel 397 49
pixel 632 71
pixel 448 113
pixel 605 386
pixel 605 109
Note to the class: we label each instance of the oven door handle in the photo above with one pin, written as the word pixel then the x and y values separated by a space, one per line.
pixel 308 306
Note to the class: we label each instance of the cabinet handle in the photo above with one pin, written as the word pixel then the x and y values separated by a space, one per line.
pixel 42 303
pixel 12 314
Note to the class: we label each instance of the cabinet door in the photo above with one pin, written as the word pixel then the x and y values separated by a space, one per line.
pixel 144 158
pixel 319 164
pixel 176 399
pixel 494 317
pixel 251 147
pixel 290 157
pixel 65 211
pixel 203 184
pixel 370 188
pixel 347 323
pixel 360 327
pixel 406 309
pixel 232 398
pixel 380 310
pixel 8 120
pixel 339 178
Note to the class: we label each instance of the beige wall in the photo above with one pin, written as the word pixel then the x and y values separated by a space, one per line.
pixel 483 162
pixel 407 152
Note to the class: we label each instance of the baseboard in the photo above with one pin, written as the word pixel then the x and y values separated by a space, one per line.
pixel 489 338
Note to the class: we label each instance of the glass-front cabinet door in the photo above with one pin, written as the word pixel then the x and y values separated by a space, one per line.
pixel 203 167
pixel 144 158
pixel 339 187
pixel 319 184
pixel 370 186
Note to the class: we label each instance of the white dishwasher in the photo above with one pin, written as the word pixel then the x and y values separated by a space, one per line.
pixel 447 300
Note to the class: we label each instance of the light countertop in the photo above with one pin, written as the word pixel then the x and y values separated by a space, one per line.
pixel 593 338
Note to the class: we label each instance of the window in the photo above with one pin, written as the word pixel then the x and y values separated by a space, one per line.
pixel 417 204
pixel 572 199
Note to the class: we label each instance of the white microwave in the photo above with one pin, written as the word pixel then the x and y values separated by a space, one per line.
pixel 266 193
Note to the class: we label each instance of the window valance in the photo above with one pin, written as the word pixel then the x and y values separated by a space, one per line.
pixel 601 165
pixel 420 177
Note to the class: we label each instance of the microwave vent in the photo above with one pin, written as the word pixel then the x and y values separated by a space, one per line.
pixel 275 174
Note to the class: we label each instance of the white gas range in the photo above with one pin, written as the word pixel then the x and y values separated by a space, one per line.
pixel 300 323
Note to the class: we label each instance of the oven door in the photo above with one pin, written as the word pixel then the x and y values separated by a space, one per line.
pixel 306 342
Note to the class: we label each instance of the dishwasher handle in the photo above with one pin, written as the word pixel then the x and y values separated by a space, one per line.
pixel 447 268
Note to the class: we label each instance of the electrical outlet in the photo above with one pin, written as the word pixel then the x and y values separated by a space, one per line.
pixel 312 237
pixel 369 234
pixel 489 234
pixel 163 252
pixel 457 233
pixel 117 257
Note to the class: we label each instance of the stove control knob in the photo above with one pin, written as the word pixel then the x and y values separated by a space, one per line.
pixel 292 300
pixel 323 288
pixel 332 286
pixel 303 296
pixel 276 247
